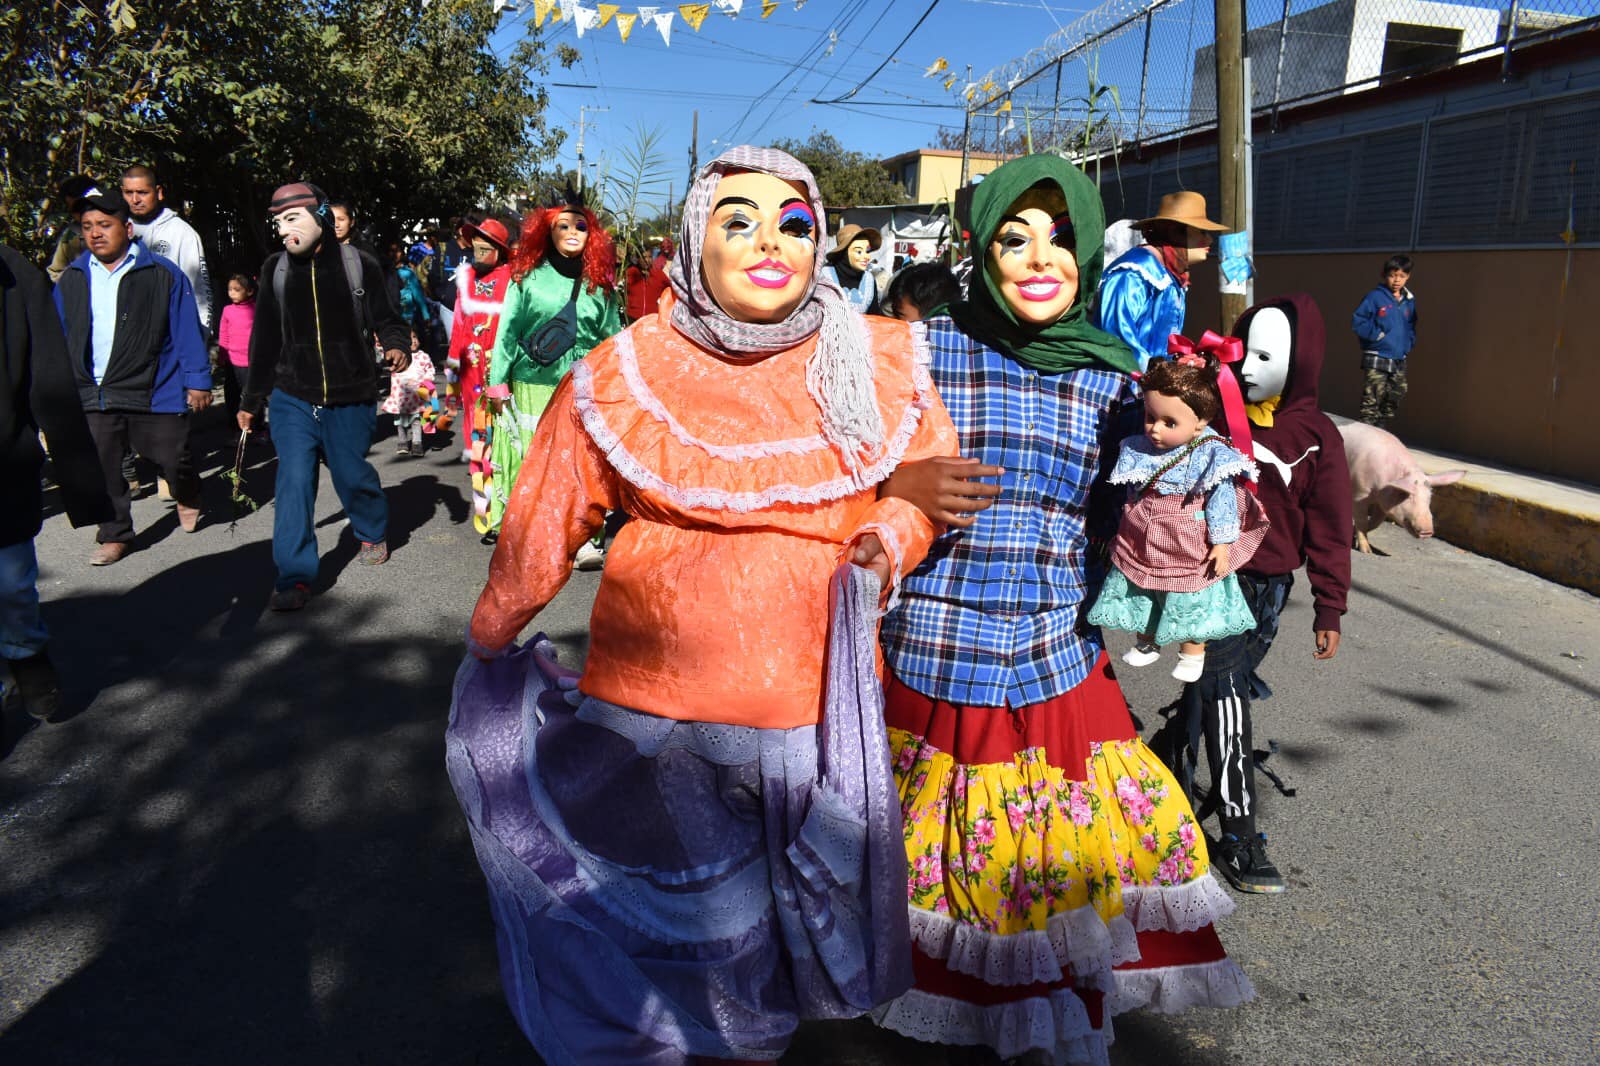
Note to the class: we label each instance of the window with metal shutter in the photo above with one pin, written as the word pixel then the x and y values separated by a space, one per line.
pixel 1385 184
pixel 1564 173
pixel 1469 189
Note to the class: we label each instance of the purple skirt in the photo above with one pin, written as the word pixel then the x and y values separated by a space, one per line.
pixel 664 889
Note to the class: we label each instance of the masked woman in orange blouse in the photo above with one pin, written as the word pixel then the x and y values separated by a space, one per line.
pixel 696 842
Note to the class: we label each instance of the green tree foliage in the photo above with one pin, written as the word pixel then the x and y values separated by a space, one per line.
pixel 400 107
pixel 847 179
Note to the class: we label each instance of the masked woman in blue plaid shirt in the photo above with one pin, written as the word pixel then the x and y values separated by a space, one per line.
pixel 1057 874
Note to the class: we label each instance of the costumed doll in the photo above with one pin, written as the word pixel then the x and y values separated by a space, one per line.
pixel 1171 577
pixel 1305 489
pixel 480 298
pixel 850 267
pixel 1058 877
pixel 561 303
pixel 1144 295
pixel 699 845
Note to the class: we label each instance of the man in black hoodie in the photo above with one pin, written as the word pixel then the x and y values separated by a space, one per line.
pixel 311 351
pixel 1305 489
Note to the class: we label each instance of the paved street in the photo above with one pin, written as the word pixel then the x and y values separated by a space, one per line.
pixel 240 845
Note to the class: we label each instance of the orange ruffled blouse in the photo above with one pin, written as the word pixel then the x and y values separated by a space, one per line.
pixel 714 602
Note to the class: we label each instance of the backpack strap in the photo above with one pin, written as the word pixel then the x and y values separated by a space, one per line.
pixel 353 273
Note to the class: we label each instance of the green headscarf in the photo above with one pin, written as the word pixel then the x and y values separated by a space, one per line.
pixel 1071 342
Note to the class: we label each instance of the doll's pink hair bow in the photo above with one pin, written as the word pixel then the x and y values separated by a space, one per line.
pixel 1228 350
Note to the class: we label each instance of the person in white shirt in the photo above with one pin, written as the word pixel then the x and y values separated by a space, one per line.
pixel 166 234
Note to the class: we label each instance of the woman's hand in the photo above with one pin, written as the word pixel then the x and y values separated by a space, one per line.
pixel 870 553
pixel 1217 562
pixel 945 488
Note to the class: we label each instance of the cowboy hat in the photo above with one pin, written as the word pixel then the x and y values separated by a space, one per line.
pixel 491 230
pixel 1184 208
pixel 851 232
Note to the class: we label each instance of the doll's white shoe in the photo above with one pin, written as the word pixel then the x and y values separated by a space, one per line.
pixel 1142 654
pixel 1189 667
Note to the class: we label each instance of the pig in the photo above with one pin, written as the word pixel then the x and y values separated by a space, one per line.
pixel 1386 482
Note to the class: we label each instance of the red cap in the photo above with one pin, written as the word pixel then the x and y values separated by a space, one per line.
pixel 491 230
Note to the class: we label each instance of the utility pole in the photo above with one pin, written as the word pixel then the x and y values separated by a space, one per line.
pixel 1232 114
pixel 582 110
pixel 966 132
pixel 694 153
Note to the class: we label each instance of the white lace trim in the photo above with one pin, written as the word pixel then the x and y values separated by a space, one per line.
pixel 1058 1025
pixel 1176 908
pixel 1218 470
pixel 628 362
pixel 1076 940
pixel 1170 989
pixel 700 497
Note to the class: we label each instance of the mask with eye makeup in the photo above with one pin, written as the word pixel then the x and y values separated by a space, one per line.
pixel 760 251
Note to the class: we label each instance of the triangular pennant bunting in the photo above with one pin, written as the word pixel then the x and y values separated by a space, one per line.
pixel 541 10
pixel 951 80
pixel 731 8
pixel 939 66
pixel 664 24
pixel 1003 108
pixel 587 18
pixel 694 14
pixel 607 13
pixel 768 7
pixel 625 26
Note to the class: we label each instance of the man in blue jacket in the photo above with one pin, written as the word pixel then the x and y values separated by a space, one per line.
pixel 1386 325
pixel 137 349
pixel 1144 295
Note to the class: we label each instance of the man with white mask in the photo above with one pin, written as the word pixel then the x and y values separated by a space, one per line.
pixel 1305 489
pixel 311 352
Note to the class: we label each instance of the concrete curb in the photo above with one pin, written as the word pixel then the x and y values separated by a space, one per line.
pixel 1546 527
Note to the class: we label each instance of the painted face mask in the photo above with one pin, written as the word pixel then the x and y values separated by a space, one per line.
pixel 298 229
pixel 760 247
pixel 1266 361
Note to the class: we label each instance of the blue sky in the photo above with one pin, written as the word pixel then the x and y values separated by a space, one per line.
pixel 751 79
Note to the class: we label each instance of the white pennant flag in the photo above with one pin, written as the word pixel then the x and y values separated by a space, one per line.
pixel 498 5
pixel 648 14
pixel 569 10
pixel 731 8
pixel 587 19
pixel 663 23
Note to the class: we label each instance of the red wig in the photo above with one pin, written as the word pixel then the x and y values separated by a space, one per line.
pixel 599 254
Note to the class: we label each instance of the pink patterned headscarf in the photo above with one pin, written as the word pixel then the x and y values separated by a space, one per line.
pixel 839 373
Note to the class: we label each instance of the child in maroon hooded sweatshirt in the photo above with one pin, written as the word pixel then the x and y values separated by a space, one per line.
pixel 1305 488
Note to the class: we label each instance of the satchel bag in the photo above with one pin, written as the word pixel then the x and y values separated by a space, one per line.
pixel 555 338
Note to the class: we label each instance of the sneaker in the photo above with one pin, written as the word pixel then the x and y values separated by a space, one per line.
pixel 1245 864
pixel 1189 667
pixel 38 685
pixel 589 557
pixel 1142 654
pixel 374 554
pixel 291 599
pixel 110 552
pixel 404 450
pixel 491 537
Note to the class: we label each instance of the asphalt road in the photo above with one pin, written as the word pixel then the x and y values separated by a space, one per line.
pixel 240 846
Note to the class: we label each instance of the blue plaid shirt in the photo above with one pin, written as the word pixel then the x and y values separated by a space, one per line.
pixel 991 618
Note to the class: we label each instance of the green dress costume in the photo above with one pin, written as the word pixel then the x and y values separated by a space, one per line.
pixel 524 384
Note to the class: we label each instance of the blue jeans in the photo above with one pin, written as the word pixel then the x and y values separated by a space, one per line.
pixel 340 436
pixel 22 631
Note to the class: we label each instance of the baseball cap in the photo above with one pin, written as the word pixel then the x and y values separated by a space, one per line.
pixel 83 193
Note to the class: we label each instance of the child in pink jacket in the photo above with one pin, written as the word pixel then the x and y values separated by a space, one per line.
pixel 233 337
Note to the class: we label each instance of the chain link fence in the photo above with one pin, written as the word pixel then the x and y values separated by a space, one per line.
pixel 1134 71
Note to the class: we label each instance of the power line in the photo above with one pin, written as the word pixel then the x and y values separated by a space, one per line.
pixel 875 73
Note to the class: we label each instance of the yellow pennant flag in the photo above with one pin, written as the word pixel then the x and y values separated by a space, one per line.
pixel 951 80
pixel 939 66
pixel 1003 108
pixel 768 7
pixel 625 25
pixel 988 87
pixel 541 11
pixel 694 14
pixel 607 11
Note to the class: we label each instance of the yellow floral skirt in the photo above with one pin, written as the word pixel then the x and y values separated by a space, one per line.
pixel 1057 875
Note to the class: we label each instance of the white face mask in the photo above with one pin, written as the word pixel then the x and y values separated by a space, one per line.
pixel 298 229
pixel 1266 361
